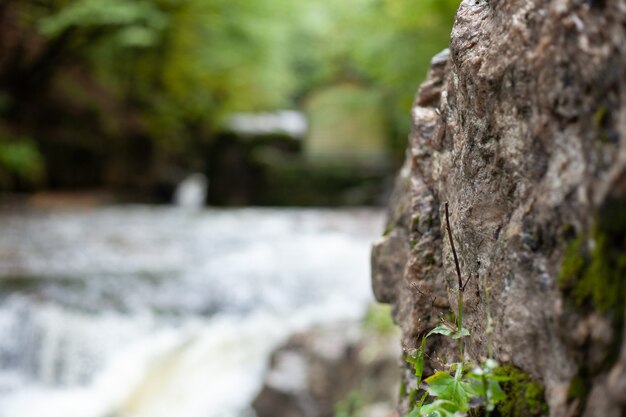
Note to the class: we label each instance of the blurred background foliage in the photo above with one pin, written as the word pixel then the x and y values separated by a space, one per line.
pixel 131 94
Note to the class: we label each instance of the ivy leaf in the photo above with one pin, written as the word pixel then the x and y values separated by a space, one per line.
pixel 417 360
pixel 444 330
pixel 476 387
pixel 485 385
pixel 496 392
pixel 439 408
pixel 464 332
pixel 447 387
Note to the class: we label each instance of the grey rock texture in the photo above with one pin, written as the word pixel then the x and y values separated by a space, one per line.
pixel 521 128
pixel 317 370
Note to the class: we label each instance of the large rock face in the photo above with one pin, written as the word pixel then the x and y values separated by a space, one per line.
pixel 521 128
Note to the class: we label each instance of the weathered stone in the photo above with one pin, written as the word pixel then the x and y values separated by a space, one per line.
pixel 521 130
pixel 316 370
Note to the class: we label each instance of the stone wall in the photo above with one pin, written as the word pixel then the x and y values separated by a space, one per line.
pixel 520 128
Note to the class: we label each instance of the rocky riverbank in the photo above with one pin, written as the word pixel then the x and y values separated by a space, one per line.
pixel 340 370
pixel 520 128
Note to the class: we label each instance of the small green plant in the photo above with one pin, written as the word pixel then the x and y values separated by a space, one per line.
pixel 378 319
pixel 456 390
pixel 350 406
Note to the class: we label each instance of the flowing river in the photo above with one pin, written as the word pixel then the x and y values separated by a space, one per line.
pixel 158 312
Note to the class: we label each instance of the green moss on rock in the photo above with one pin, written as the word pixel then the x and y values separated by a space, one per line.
pixel 415 222
pixel 593 272
pixel 593 277
pixel 573 262
pixel 524 395
pixel 430 259
pixel 579 388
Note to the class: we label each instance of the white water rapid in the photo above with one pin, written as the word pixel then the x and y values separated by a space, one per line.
pixel 160 312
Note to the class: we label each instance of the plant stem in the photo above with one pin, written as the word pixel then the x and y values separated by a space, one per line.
pixel 489 330
pixel 456 259
pixel 459 314
pixel 460 324
pixel 486 389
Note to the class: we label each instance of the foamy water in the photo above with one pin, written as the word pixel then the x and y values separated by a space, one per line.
pixel 144 312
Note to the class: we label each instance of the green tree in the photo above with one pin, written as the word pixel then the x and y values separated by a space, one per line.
pixel 101 75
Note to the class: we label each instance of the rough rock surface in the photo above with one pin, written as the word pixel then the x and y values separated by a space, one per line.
pixel 317 370
pixel 521 128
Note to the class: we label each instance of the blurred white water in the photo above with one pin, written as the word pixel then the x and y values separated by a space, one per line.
pixel 149 312
pixel 191 193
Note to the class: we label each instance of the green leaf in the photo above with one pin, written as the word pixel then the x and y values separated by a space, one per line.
pixel 446 387
pixel 483 384
pixel 464 332
pixel 421 401
pixel 439 408
pixel 444 330
pixel 417 360
pixel 478 374
pixel 440 384
pixel 476 388
pixel 496 392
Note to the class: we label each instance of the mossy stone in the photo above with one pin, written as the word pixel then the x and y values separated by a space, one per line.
pixel 579 388
pixel 524 395
pixel 593 270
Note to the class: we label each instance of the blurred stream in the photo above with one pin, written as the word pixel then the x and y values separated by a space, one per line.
pixel 147 312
